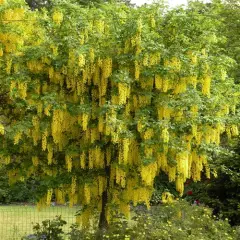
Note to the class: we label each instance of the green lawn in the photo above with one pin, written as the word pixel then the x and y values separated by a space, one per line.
pixel 16 221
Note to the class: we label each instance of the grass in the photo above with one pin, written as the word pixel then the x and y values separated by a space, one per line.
pixel 17 221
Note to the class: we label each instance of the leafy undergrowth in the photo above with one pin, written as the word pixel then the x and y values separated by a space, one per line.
pixel 178 221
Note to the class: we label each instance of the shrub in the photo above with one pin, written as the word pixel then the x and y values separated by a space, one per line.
pixel 49 230
pixel 178 221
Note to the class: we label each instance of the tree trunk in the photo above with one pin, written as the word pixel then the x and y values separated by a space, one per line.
pixel 103 223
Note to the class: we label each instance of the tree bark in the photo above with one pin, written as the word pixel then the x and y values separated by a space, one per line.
pixel 103 223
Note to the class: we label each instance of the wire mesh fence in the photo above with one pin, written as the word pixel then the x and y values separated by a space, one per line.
pixel 17 221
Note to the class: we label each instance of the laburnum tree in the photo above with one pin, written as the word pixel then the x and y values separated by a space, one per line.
pixel 101 100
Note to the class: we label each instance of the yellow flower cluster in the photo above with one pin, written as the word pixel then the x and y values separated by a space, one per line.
pixel 137 69
pixel 99 25
pixel 60 197
pixel 11 41
pixel 57 17
pixel 22 90
pixel 158 82
pixel 182 164
pixel 124 91
pixel 83 160
pixel 140 195
pixel 234 130
pixel 87 194
pixel 84 218
pixel 1 129
pixel 73 185
pixel 81 61
pixel 49 197
pixel 17 137
pixel 96 158
pixel 68 160
pixel 35 66
pixel 57 125
pixel 164 113
pixel 125 209
pixel 106 68
pixel 125 148
pixel 196 166
pixel 193 57
pixel 121 177
pixel 42 203
pixel 171 173
pixel 8 65
pixel 206 85
pixel 148 173
pixel 181 86
pixel 44 140
pixel 47 110
pixel 85 118
pixel 194 110
pixel 173 64
pixel 15 14
pixel 167 197
pixel 165 135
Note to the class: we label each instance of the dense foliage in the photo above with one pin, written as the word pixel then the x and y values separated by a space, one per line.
pixel 223 192
pixel 101 100
pixel 20 192
pixel 230 12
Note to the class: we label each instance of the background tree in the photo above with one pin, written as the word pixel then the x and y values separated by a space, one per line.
pixel 37 4
pixel 222 193
pixel 230 13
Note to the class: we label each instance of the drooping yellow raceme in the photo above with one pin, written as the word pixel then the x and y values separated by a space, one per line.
pixel 17 137
pixel 148 173
pixel 49 197
pixel 234 130
pixel 44 140
pixel 68 163
pixel 206 85
pixel 87 194
pixel 124 92
pixel 57 17
pixel 1 129
pixel 165 135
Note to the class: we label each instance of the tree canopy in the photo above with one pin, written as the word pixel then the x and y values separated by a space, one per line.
pixel 101 100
